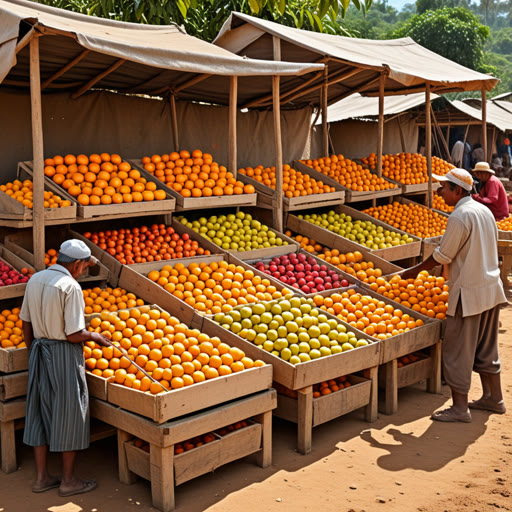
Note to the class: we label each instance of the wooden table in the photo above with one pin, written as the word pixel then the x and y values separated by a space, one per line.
pixel 162 467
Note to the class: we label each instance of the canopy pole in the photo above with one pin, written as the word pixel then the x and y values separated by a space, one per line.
pixel 325 133
pixel 380 127
pixel 278 148
pixel 428 142
pixel 174 121
pixel 37 155
pixel 484 121
pixel 233 96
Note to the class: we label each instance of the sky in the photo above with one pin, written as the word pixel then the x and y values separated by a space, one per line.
pixel 398 4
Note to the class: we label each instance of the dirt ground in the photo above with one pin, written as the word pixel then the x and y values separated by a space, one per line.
pixel 401 463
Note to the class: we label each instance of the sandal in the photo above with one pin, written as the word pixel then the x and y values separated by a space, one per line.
pixel 46 487
pixel 87 486
pixel 450 415
pixel 485 404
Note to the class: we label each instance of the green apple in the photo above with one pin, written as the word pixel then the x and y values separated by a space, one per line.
pixel 336 349
pixel 333 334
pixel 276 353
pixel 361 343
pixel 246 323
pixel 305 308
pixel 285 305
pixel 314 343
pixel 243 333
pixel 324 340
pixel 294 359
pixel 227 320
pixel 342 337
pixel 235 315
pixel 268 346
pixel 274 324
pixel 295 349
pixel 276 309
pixel 286 353
pixel 291 326
pixel 347 346
pixel 255 319
pixel 261 328
pixel 304 336
pixel 219 317
pixel 315 354
pixel 288 316
pixel 272 335
pixel 236 327
pixel 296 312
pixel 341 328
pixel 333 324
pixel 251 335
pixel 280 344
pixel 325 351
pixel 260 339
pixel 314 331
pixel 295 302
pixel 307 321
pixel 266 317
pixel 292 338
pixel 282 331
pixel 304 357
pixel 304 347
pixel 324 327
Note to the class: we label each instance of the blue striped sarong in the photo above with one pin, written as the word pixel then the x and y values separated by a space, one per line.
pixel 57 412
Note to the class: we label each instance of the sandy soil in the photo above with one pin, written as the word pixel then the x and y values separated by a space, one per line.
pixel 401 463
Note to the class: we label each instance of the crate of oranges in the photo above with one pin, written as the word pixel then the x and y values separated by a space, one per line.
pixel 197 181
pixel 358 183
pixel 411 369
pixel 300 189
pixel 13 350
pixel 183 361
pixel 17 202
pixel 105 184
pixel 505 228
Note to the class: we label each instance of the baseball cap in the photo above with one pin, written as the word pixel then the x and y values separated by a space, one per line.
pixel 460 177
pixel 75 250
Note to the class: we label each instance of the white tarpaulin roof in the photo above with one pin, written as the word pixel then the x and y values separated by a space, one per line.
pixel 409 65
pixel 357 106
pixel 150 59
pixel 494 114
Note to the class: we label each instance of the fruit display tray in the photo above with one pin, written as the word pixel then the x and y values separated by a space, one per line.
pixel 198 203
pixel 11 412
pixel 266 194
pixel 162 467
pixel 13 385
pixel 417 188
pixel 21 244
pixel 166 205
pixel 13 360
pixel 18 289
pixel 352 196
pixel 330 239
pixel 11 209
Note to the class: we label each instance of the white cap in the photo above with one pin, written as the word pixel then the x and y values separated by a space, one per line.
pixel 460 177
pixel 75 250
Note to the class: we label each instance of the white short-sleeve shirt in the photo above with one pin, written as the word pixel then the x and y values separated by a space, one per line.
pixel 53 304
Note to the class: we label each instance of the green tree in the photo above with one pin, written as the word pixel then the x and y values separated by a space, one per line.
pixel 432 5
pixel 454 33
pixel 501 41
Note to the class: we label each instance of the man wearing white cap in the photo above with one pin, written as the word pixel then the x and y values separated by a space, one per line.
pixel 492 194
pixel 469 249
pixel 57 415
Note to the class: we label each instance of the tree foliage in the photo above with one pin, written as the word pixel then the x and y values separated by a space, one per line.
pixel 204 18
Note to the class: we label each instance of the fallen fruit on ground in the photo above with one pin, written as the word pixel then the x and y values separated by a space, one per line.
pixel 11 334
pixel 170 351
pixel 215 286
pixel 99 300
pixel 237 232
pixel 292 329
pixel 194 174
pixel 23 193
pixel 141 244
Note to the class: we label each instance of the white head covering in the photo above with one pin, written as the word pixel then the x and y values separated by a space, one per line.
pixel 74 250
pixel 483 167
pixel 460 177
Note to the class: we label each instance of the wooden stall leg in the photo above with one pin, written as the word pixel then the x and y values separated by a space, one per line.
pixel 371 410
pixel 264 456
pixel 162 477
pixel 305 419
pixel 434 382
pixel 391 387
pixel 8 446
pixel 125 475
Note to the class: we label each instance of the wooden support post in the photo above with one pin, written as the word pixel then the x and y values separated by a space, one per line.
pixel 232 139
pixel 38 155
pixel 125 475
pixel 162 477
pixel 8 446
pixel 434 382
pixel 305 420
pixel 278 196
pixel 371 410
pixel 264 456
pixel 325 132
pixel 174 121
pixel 428 142
pixel 391 386
pixel 484 121
pixel 380 128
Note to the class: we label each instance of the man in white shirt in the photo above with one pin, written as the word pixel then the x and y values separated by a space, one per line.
pixel 57 416
pixel 469 249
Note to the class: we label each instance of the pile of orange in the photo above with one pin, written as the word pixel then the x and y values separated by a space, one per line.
pixel 185 446
pixel 330 386
pixel 171 352
pixel 194 174
pixel 215 287
pixel 439 203
pixel 308 244
pixel 426 294
pixel 98 300
pixel 411 217
pixel 141 244
pixel 408 168
pixel 349 174
pixel 505 224
pixel 50 257
pixel 101 179
pixel 23 193
pixel 11 335
pixel 372 316
pixel 231 428
pixel 408 359
pixel 352 263
pixel 295 183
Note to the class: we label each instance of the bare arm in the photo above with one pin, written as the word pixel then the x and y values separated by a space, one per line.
pixel 412 272
pixel 28 333
pixel 85 335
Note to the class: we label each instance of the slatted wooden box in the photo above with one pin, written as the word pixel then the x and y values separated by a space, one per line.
pixel 13 385
pixel 14 360
pixel 18 289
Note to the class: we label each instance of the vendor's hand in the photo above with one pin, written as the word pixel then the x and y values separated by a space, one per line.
pixel 408 273
pixel 100 339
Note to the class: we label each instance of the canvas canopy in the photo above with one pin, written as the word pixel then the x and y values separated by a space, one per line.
pixel 354 64
pixel 496 116
pixel 126 57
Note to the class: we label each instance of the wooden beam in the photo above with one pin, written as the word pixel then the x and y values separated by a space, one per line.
pixel 26 39
pixel 67 67
pixel 232 134
pixel 325 132
pixel 484 121
pixel 428 143
pixel 380 129
pixel 278 148
pixel 20 83
pixel 38 156
pixel 174 121
pixel 359 88
pixel 97 78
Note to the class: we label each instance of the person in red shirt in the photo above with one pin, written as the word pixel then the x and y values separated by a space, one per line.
pixel 492 194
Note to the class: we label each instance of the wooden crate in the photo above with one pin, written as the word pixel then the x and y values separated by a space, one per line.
pixel 198 203
pixel 505 259
pixel 164 472
pixel 328 238
pixel 166 205
pixel 10 412
pixel 13 290
pixel 14 360
pixel 352 196
pixel 21 244
pixel 97 386
pixel 504 235
pixel 13 210
pixel 13 385
pixel 404 200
